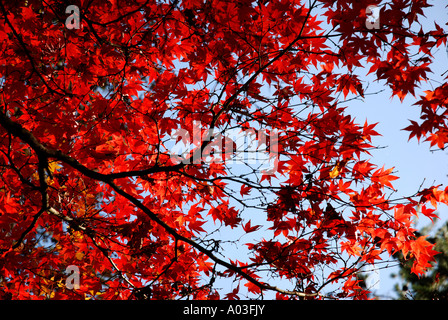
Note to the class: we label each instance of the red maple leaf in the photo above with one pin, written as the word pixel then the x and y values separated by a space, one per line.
pixel 139 147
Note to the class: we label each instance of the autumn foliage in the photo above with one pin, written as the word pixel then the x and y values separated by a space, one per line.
pixel 88 176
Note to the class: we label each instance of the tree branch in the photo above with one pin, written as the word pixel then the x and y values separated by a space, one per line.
pixel 41 150
pixel 26 136
pixel 27 52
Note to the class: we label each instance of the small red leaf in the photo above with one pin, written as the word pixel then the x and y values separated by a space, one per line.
pixel 248 228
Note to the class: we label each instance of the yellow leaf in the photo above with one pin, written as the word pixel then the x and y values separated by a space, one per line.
pixel 79 255
pixel 60 284
pixel 76 235
pixel 47 292
pixel 337 168
pixel 335 172
pixel 53 166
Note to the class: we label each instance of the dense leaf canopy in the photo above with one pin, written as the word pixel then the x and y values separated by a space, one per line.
pixel 90 118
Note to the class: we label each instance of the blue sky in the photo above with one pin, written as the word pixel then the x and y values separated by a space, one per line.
pixel 414 162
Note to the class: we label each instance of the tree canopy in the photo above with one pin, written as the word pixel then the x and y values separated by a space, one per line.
pixel 201 148
pixel 433 285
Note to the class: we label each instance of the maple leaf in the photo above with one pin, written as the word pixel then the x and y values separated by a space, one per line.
pixel 384 177
pixel 245 190
pixel 249 228
pixel 351 248
pixel 92 119
pixel 234 294
pixel 423 253
pixel 196 226
pixel 415 129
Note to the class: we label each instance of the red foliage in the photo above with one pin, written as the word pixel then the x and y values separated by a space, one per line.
pixel 88 176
